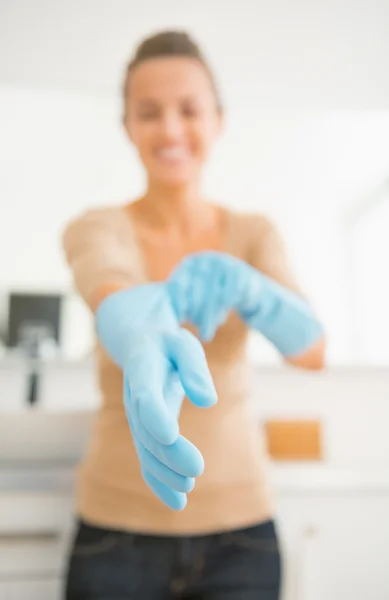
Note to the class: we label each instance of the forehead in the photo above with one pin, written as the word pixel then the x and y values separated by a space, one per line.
pixel 165 79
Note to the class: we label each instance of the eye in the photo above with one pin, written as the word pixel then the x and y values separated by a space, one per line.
pixel 190 110
pixel 148 115
pixel 148 112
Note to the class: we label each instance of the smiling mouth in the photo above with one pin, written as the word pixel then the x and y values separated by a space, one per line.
pixel 173 154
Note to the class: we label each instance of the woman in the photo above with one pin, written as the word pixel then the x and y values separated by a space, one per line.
pixel 146 269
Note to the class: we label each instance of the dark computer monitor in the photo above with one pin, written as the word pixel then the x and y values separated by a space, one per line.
pixel 29 310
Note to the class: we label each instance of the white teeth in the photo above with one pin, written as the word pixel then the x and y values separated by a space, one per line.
pixel 172 153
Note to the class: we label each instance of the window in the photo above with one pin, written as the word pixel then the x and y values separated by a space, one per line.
pixel 368 243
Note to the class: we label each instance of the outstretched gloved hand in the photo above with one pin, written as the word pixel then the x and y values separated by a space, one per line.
pixel 161 364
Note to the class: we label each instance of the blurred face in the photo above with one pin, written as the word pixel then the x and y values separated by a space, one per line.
pixel 172 118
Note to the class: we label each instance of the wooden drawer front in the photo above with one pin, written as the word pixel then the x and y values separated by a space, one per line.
pixel 294 439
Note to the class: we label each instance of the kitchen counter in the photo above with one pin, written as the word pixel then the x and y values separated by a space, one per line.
pixel 67 385
pixel 292 478
pixel 352 406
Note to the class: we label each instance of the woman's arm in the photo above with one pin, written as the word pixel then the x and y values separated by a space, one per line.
pixel 137 327
pixel 313 359
pixel 268 255
pixel 103 291
pixel 97 260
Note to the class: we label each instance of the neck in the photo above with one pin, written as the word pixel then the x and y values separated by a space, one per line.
pixel 178 207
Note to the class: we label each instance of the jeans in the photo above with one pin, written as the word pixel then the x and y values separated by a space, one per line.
pixel 112 565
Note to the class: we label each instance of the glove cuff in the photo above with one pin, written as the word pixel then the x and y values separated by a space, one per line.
pixel 123 315
pixel 284 318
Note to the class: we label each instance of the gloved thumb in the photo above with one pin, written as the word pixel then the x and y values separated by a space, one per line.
pixel 187 355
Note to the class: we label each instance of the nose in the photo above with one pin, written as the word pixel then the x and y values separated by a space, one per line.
pixel 172 126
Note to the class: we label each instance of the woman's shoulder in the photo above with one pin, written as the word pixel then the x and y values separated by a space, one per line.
pixel 101 225
pixel 252 223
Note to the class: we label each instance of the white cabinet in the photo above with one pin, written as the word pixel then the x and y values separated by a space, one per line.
pixel 34 540
pixel 335 546
pixel 31 590
pixel 30 555
pixel 333 524
pixel 3 591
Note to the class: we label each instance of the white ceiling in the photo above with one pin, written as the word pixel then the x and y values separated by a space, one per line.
pixel 280 53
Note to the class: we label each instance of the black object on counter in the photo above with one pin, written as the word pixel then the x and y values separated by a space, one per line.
pixel 31 308
pixel 34 330
pixel 33 388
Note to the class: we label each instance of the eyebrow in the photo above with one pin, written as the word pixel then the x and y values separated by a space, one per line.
pixel 147 102
pixel 152 102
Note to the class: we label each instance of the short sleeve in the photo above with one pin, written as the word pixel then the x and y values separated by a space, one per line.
pixel 96 254
pixel 268 252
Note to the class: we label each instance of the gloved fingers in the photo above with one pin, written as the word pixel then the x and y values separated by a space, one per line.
pixel 252 285
pixel 216 302
pixel 213 309
pixel 188 288
pixel 212 291
pixel 187 355
pixel 172 499
pixel 196 292
pixel 178 285
pixel 150 462
pixel 235 272
pixel 184 295
pixel 199 290
pixel 146 373
pixel 229 295
pixel 170 478
pixel 181 456
pixel 220 320
pixel 229 287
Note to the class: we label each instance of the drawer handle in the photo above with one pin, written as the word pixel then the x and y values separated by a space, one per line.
pixel 311 531
pixel 29 536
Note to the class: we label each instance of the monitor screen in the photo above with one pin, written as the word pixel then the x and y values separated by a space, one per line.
pixel 29 311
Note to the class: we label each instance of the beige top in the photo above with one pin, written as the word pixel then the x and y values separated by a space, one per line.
pixel 101 248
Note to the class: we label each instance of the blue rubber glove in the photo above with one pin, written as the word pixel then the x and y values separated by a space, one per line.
pixel 206 286
pixel 161 364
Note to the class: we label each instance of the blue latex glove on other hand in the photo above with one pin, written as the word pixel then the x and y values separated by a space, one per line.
pixel 161 364
pixel 206 286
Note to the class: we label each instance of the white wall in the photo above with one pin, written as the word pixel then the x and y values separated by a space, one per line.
pixel 62 149
pixel 369 246
pixel 327 53
pixel 63 152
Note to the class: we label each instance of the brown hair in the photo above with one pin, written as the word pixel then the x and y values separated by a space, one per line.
pixel 168 44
